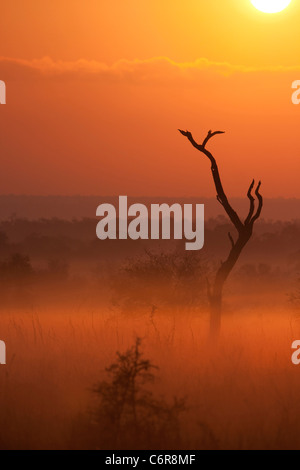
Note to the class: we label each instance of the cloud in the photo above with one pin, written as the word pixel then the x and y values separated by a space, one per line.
pixel 157 69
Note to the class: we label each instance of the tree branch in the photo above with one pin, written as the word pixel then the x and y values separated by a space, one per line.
pixel 252 205
pixel 219 200
pixel 231 239
pixel 221 196
pixel 210 135
pixel 191 139
pixel 260 204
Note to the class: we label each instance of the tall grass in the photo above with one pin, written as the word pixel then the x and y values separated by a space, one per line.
pixel 242 394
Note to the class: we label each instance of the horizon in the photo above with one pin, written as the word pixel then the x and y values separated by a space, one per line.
pixel 82 206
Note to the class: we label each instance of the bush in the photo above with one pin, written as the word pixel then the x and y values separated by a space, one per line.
pixel 173 279
pixel 128 415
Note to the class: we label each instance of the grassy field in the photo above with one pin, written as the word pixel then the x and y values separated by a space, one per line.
pixel 242 393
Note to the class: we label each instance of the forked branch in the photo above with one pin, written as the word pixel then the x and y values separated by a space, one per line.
pixel 252 203
pixel 260 204
pixel 221 196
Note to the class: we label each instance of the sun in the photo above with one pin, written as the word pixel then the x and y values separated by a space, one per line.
pixel 270 6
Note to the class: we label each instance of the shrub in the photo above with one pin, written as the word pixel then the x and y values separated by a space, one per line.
pixel 128 415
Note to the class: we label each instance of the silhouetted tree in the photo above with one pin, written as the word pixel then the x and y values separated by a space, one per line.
pixel 129 415
pixel 244 230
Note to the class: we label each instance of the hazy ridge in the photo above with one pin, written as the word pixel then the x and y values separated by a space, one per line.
pixel 70 207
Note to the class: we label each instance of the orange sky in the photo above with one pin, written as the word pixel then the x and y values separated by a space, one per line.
pixel 97 89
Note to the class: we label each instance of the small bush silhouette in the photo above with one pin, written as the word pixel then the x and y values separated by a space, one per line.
pixel 17 269
pixel 129 416
pixel 173 279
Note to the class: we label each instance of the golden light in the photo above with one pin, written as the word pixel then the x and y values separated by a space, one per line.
pixel 270 6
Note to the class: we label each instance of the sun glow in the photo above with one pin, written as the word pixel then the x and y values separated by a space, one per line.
pixel 270 6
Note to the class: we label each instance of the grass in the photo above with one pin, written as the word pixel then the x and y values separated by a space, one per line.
pixel 241 394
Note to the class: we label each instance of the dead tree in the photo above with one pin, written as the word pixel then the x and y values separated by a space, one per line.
pixel 244 230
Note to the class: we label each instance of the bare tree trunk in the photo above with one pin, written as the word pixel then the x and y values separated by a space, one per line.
pixel 215 314
pixel 216 295
pixel 244 229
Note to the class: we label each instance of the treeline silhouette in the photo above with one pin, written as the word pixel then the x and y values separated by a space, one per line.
pixel 60 255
